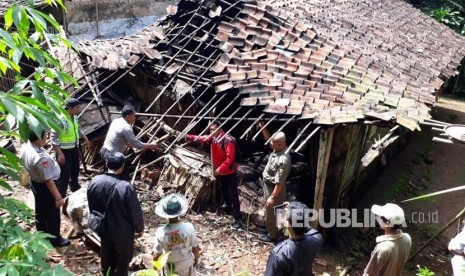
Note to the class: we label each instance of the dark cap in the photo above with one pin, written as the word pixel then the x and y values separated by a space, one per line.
pixel 72 102
pixel 127 110
pixel 115 161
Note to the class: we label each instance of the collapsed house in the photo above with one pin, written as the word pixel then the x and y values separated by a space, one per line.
pixel 333 75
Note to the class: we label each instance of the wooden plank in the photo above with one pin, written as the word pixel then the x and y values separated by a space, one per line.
pixel 324 151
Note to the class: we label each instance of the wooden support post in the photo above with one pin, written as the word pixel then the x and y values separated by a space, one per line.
pixel 324 151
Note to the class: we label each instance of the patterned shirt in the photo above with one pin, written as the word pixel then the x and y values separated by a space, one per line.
pixel 179 238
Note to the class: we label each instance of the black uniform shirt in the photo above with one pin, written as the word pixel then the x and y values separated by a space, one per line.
pixel 294 257
pixel 124 214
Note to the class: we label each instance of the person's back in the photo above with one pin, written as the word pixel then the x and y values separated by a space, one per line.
pixel 124 215
pixel 391 255
pixel 177 238
pixel 294 257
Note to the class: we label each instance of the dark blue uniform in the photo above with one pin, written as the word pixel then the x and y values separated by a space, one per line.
pixel 294 257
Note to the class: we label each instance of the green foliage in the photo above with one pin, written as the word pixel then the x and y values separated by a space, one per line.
pixel 447 16
pixel 157 267
pixel 424 271
pixel 34 103
pixel 23 252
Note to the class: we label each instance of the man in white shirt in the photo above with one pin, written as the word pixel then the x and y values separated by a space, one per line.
pixel 457 247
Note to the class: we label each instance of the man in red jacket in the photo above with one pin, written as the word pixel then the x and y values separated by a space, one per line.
pixel 223 152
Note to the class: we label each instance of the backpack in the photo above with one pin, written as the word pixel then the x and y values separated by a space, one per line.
pixel 229 139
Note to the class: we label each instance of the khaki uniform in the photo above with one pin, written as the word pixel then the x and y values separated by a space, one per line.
pixel 276 171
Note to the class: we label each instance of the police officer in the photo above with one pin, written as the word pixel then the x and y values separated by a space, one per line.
pixel 295 255
pixel 44 171
pixel 120 135
pixel 274 180
pixel 66 145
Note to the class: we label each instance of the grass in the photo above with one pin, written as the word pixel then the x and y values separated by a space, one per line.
pixel 399 187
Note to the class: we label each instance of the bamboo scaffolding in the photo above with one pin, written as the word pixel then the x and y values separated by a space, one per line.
pixel 236 124
pixel 194 123
pixel 192 85
pixel 307 138
pixel 105 89
pixel 219 115
pixel 279 129
pixel 298 136
pixel 255 120
pixel 266 124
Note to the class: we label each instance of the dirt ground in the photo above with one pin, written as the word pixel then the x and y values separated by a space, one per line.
pixel 423 166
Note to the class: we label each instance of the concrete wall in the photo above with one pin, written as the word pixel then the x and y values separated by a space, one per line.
pixel 90 19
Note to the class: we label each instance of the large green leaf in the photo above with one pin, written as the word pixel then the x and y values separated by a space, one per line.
pixel 161 262
pixel 8 16
pixel 37 20
pixel 5 185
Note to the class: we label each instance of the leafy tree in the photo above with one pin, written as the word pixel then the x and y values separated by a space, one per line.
pixel 34 103
pixel 447 16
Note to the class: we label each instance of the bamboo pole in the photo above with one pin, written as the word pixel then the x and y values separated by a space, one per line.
pixel 261 129
pixel 307 138
pixel 458 216
pixel 298 136
pixel 279 129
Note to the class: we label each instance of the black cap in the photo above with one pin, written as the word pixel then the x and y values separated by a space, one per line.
pixel 115 161
pixel 127 110
pixel 72 102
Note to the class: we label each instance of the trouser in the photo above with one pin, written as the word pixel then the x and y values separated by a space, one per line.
pixel 105 153
pixel 230 193
pixel 69 172
pixel 116 256
pixel 271 226
pixel 47 215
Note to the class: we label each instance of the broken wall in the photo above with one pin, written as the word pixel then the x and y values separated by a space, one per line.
pixel 89 19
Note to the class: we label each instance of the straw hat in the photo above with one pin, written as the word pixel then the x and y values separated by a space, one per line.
pixel 171 206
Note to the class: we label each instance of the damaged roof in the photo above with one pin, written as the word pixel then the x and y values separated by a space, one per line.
pixel 327 61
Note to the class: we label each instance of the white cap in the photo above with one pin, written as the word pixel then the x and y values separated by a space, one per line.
pixel 391 212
